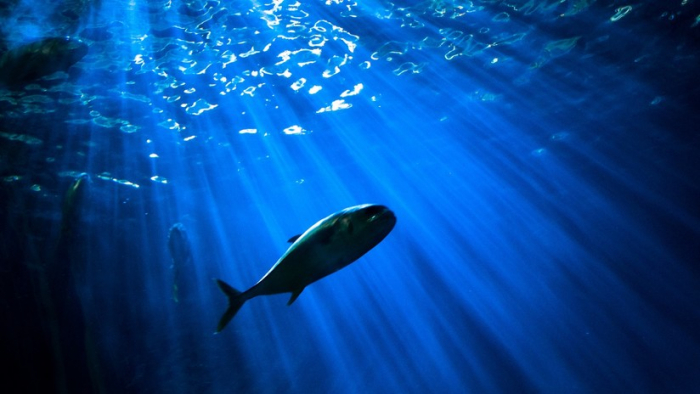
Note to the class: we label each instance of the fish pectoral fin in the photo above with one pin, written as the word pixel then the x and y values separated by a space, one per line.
pixel 294 238
pixel 294 296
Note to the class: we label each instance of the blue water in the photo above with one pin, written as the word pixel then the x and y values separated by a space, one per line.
pixel 541 158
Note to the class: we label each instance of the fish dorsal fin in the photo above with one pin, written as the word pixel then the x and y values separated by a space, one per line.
pixel 294 238
pixel 294 296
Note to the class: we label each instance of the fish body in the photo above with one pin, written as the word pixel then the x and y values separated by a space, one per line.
pixel 181 254
pixel 32 61
pixel 70 208
pixel 329 245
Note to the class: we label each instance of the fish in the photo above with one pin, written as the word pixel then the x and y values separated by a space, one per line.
pixel 329 245
pixel 32 61
pixel 70 208
pixel 180 252
pixel 67 247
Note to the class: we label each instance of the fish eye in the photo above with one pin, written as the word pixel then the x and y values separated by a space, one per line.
pixel 374 211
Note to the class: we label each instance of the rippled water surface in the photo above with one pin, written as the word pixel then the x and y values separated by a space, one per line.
pixel 541 158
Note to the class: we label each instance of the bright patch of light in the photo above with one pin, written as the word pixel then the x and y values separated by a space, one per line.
pixel 159 179
pixel 294 130
pixel 200 106
pixel 248 131
pixel 227 57
pixel 129 128
pixel 335 106
pixel 620 13
pixel 251 52
pixel 153 156
pixel 302 57
pixel 409 67
pixel 299 84
pixel 315 89
pixel 108 177
pixel 334 65
pixel 351 45
pixel 170 124
pixel 317 41
pixel 190 138
pixel 356 90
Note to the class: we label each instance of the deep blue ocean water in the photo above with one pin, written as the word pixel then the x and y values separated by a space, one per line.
pixel 542 158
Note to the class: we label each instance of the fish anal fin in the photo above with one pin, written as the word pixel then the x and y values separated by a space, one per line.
pixel 294 238
pixel 295 295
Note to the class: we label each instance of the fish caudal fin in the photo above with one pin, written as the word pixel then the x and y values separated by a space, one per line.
pixel 235 302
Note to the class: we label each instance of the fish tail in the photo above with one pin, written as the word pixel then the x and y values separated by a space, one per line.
pixel 235 302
